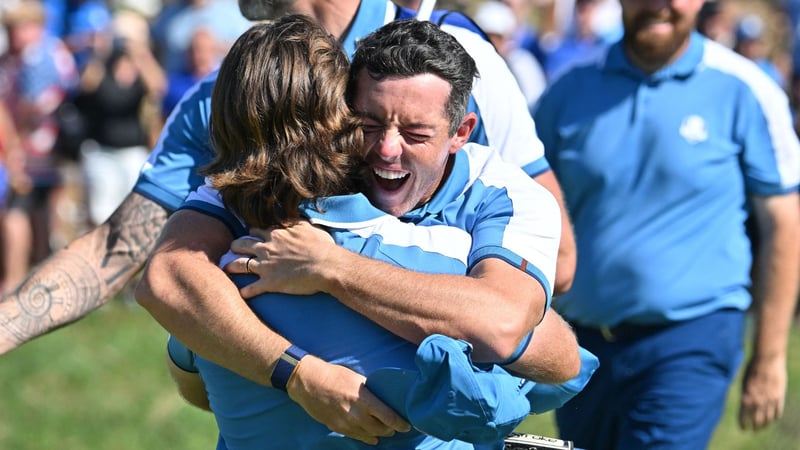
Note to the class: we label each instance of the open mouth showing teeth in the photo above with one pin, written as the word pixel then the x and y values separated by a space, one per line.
pixel 390 180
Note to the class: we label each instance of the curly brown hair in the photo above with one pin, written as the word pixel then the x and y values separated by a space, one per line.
pixel 280 124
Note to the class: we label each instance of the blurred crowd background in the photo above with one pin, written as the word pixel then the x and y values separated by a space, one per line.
pixel 86 85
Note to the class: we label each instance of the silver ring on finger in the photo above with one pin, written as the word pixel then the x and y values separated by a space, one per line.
pixel 247 265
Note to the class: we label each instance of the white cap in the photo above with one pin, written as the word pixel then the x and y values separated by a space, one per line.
pixel 495 18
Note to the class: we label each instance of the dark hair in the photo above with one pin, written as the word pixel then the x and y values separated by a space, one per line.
pixel 280 124
pixel 256 10
pixel 407 48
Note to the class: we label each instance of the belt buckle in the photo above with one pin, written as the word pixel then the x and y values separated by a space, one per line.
pixel 605 331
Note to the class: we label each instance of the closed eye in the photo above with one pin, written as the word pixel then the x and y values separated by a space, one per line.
pixel 416 137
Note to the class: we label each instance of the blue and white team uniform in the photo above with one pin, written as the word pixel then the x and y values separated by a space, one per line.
pixel 171 171
pixel 656 171
pixel 487 208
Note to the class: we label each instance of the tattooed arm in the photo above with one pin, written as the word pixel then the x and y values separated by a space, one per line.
pixel 80 278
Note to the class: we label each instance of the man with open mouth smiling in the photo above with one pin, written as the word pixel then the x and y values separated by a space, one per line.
pixel 408 148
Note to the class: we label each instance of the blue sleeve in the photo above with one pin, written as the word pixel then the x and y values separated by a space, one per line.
pixel 170 172
pixel 181 355
pixel 515 220
pixel 544 116
pixel 770 149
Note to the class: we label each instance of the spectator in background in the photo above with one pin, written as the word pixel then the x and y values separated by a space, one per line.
pixel 118 77
pixel 132 26
pixel 174 28
pixel 751 43
pixel 82 21
pixel 35 75
pixel 791 10
pixel 715 21
pixel 12 162
pixel 146 8
pixel 204 55
pixel 56 13
pixel 12 177
pixel 525 36
pixel 86 24
pixel 582 40
pixel 497 20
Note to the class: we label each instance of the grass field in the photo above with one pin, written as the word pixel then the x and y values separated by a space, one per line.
pixel 102 384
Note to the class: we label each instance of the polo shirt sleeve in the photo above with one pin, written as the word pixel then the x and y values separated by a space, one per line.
pixel 517 221
pixel 206 200
pixel 770 148
pixel 170 172
pixel 180 355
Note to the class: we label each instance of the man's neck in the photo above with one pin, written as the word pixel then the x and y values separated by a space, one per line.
pixel 335 16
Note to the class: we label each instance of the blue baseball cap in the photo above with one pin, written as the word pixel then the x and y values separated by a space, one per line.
pixel 449 397
pixel 91 17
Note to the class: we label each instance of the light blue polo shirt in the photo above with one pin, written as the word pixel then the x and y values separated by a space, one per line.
pixel 170 173
pixel 250 415
pixel 656 171
pixel 486 208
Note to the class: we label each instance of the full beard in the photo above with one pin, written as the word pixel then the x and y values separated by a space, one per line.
pixel 656 49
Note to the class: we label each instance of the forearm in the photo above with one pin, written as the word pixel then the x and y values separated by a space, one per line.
pixel 552 356
pixel 198 304
pixel 80 278
pixel 185 291
pixel 567 251
pixel 776 278
pixel 494 316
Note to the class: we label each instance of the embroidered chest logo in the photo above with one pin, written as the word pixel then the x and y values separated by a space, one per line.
pixel 693 129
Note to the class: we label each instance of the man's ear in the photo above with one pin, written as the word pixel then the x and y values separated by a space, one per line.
pixel 464 131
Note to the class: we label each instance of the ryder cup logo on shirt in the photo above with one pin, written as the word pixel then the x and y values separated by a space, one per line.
pixel 693 129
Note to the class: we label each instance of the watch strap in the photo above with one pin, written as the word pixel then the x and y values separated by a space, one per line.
pixel 285 366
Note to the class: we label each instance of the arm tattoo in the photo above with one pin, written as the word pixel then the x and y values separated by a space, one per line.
pixel 132 236
pixel 79 279
pixel 65 289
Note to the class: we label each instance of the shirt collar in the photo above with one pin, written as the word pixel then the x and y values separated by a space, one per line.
pixel 683 67
pixel 341 210
pixel 453 186
pixel 371 15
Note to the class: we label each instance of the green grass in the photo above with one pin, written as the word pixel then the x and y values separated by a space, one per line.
pixel 102 384
pixel 98 384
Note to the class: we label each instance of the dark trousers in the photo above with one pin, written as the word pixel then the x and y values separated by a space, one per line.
pixel 656 387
